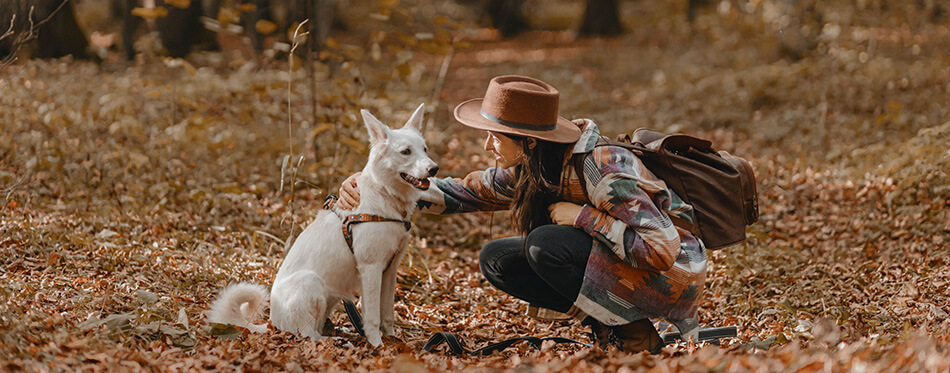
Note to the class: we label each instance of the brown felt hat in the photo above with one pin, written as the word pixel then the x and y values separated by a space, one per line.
pixel 519 105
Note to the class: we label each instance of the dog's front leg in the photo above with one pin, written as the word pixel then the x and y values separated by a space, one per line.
pixel 387 307
pixel 371 275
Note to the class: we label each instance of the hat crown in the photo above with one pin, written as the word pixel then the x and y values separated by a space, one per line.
pixel 519 105
pixel 521 101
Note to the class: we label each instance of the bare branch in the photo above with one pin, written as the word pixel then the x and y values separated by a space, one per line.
pixel 439 82
pixel 31 33
pixel 53 13
pixel 10 30
pixel 9 58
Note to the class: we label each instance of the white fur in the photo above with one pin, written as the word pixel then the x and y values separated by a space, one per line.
pixel 240 304
pixel 320 270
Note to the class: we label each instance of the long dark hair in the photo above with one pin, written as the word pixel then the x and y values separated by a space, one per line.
pixel 537 183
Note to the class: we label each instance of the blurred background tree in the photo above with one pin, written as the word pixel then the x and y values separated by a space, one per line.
pixel 51 29
pixel 362 53
pixel 506 16
pixel 601 18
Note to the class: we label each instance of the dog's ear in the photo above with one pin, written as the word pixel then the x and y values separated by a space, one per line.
pixel 378 132
pixel 415 121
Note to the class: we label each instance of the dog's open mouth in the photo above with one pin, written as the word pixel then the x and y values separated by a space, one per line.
pixel 421 184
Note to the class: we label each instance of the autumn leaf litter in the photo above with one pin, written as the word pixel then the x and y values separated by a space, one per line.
pixel 132 195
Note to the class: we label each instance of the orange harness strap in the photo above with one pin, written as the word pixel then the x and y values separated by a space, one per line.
pixel 350 220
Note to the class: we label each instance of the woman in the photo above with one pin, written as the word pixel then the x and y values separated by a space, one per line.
pixel 605 252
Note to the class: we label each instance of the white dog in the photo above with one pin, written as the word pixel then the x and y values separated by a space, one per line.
pixel 322 267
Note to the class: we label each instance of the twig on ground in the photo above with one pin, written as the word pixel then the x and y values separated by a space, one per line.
pixel 8 191
pixel 268 235
pixel 308 183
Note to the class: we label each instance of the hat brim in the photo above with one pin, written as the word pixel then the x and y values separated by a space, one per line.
pixel 469 114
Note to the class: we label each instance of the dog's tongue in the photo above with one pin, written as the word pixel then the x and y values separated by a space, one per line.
pixel 421 184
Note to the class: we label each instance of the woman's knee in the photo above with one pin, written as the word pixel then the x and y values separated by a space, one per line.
pixel 557 246
pixel 494 251
pixel 541 257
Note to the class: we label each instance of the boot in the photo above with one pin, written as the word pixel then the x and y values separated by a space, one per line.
pixel 637 336
pixel 599 333
pixel 546 314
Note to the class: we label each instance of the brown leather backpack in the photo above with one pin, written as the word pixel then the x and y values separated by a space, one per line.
pixel 719 186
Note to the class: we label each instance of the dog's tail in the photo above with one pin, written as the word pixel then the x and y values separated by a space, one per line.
pixel 240 304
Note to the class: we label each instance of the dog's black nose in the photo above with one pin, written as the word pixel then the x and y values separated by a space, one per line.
pixel 433 170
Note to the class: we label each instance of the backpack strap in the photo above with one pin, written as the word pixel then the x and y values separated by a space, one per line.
pixel 636 149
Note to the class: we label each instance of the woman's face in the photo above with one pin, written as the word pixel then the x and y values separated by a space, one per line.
pixel 508 151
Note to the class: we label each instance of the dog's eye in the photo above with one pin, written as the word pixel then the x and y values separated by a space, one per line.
pixel 406 151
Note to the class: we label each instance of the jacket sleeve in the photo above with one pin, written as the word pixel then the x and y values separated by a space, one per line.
pixel 627 210
pixel 484 190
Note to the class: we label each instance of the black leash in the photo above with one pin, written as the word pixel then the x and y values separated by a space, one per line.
pixel 711 335
pixel 453 341
pixel 355 318
pixel 455 345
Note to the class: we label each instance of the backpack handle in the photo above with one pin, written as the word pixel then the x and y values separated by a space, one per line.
pixel 654 140
pixel 678 144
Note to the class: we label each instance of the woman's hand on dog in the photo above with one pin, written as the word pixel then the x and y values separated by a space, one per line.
pixel 350 193
pixel 564 213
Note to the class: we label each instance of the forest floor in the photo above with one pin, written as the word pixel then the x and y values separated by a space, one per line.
pixel 131 194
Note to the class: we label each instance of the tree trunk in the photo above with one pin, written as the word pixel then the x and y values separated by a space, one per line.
pixel 601 18
pixel 180 29
pixel 506 16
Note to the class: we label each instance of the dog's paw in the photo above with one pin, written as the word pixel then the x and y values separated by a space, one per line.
pixel 387 328
pixel 374 338
pixel 375 342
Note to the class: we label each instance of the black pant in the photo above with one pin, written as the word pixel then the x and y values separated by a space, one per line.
pixel 551 273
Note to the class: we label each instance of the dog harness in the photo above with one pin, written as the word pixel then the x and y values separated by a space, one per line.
pixel 350 220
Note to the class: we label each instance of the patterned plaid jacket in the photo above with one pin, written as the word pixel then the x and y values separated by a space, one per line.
pixel 641 266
